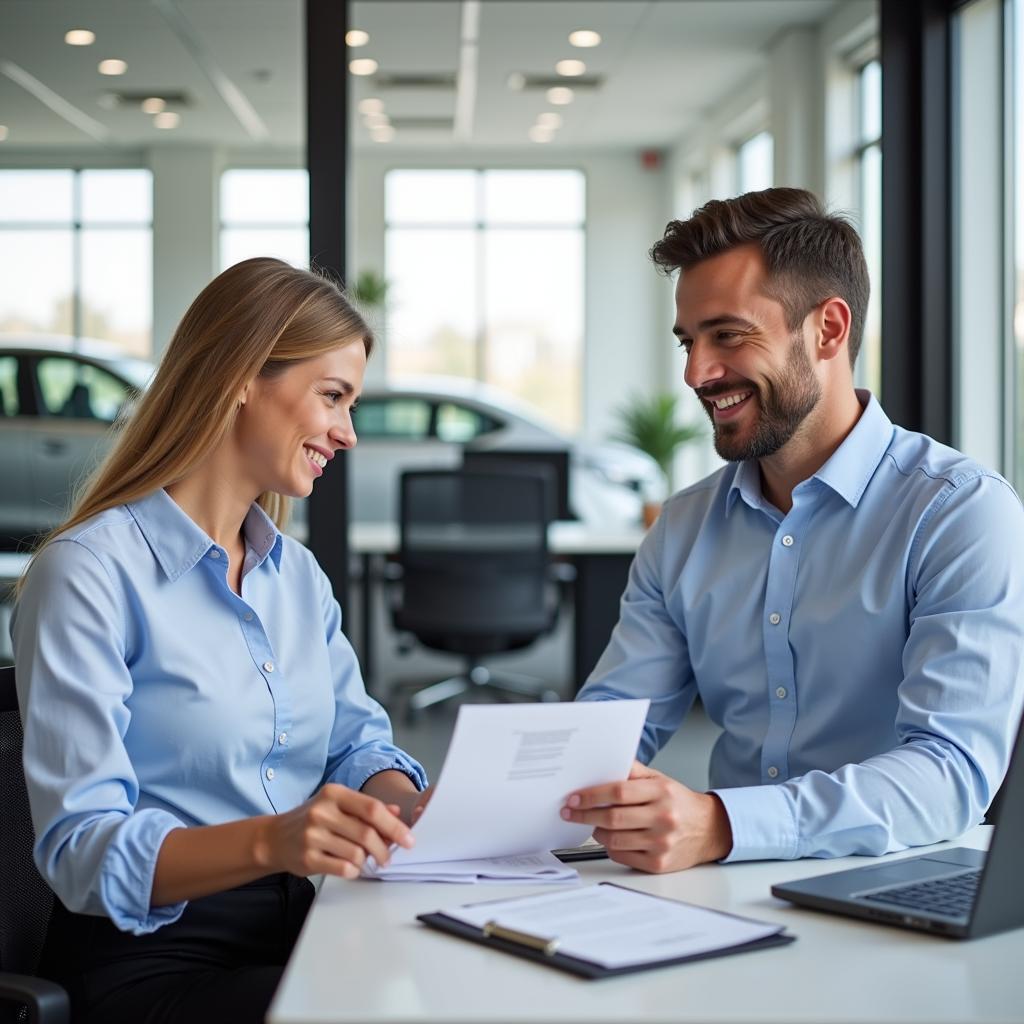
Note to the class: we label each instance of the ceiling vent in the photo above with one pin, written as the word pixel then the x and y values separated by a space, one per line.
pixel 558 81
pixel 423 124
pixel 134 98
pixel 441 80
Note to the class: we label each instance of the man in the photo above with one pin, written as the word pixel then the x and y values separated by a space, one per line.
pixel 846 597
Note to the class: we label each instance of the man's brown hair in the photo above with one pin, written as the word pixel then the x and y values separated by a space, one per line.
pixel 809 253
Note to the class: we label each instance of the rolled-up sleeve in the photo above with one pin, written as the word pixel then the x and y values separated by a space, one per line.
pixel 96 851
pixel 361 743
pixel 959 701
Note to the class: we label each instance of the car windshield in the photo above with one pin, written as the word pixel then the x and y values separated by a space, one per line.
pixel 136 371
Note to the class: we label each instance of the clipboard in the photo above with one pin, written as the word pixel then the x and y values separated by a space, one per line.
pixel 544 950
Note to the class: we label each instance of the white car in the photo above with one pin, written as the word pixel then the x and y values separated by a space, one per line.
pixel 58 400
pixel 435 421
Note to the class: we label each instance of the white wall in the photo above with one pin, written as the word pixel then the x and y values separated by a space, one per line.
pixel 626 317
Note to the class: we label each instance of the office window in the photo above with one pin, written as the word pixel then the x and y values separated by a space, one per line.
pixel 754 163
pixel 486 281
pixel 264 212
pixel 76 254
pixel 869 186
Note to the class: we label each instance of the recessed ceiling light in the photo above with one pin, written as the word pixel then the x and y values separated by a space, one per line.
pixel 79 37
pixel 538 133
pixel 356 37
pixel 371 105
pixel 167 119
pixel 4 132
pixel 559 96
pixel 113 66
pixel 550 119
pixel 153 105
pixel 516 81
pixel 382 133
pixel 571 68
pixel 375 120
pixel 362 66
pixel 584 38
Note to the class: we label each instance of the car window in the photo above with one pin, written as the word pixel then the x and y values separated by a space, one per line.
pixel 458 424
pixel 82 391
pixel 398 418
pixel 8 386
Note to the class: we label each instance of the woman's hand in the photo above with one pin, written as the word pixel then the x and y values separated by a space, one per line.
pixel 332 833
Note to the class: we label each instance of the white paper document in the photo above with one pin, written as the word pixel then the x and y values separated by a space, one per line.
pixel 526 867
pixel 506 776
pixel 616 927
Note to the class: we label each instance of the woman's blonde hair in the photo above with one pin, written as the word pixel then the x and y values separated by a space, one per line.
pixel 256 318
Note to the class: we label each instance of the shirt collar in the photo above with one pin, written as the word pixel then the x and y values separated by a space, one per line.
pixel 178 543
pixel 847 472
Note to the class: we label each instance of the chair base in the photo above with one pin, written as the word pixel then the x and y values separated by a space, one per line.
pixel 506 684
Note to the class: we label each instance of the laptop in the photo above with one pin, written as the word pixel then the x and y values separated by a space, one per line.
pixel 958 892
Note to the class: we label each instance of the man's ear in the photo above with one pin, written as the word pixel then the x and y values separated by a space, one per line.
pixel 831 322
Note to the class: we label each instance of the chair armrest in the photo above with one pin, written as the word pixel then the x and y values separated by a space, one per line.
pixel 47 1002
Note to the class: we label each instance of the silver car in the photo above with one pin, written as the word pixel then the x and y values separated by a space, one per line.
pixel 57 404
pixel 58 401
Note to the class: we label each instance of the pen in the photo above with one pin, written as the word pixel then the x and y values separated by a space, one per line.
pixel 497 931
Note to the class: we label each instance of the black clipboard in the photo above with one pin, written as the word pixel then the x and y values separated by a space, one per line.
pixel 530 949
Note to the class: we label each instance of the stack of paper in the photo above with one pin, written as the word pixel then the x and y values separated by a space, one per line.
pixel 506 776
pixel 530 867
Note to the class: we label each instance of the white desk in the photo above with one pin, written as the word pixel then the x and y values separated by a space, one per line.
pixel 362 957
pixel 601 558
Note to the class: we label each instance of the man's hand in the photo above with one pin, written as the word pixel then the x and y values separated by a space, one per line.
pixel 652 822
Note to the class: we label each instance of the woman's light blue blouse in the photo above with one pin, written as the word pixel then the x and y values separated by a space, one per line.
pixel 154 697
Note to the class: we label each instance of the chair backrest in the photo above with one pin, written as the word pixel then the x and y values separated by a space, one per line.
pixel 474 550
pixel 25 899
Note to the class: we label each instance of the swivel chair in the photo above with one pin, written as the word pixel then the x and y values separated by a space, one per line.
pixel 25 899
pixel 475 574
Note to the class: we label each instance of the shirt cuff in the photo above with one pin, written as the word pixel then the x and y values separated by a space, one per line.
pixel 355 776
pixel 126 873
pixel 762 821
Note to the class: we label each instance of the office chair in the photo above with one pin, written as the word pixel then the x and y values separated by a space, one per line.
pixel 25 899
pixel 475 574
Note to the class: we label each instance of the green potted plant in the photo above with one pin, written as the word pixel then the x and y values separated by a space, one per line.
pixel 370 289
pixel 651 423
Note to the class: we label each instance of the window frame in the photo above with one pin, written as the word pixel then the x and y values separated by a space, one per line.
pixel 478 225
pixel 76 225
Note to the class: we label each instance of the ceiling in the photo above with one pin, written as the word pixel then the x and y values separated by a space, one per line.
pixel 237 66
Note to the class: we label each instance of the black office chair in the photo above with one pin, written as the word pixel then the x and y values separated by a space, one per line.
pixel 25 899
pixel 475 574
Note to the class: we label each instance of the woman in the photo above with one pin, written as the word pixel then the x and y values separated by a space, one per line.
pixel 197 734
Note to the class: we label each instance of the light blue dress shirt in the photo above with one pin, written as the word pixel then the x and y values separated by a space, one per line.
pixel 154 697
pixel 863 653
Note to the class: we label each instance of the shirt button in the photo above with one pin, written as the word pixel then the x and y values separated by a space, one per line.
pixel 215 553
pixel 787 541
pixel 283 738
pixel 268 666
pixel 248 616
pixel 772 772
pixel 780 692
pixel 775 618
pixel 270 774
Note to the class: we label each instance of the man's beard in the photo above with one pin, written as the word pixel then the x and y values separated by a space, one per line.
pixel 784 404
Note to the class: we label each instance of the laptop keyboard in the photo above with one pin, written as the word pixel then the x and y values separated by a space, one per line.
pixel 953 895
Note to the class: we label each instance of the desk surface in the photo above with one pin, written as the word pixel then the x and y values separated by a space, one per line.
pixel 563 539
pixel 363 957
